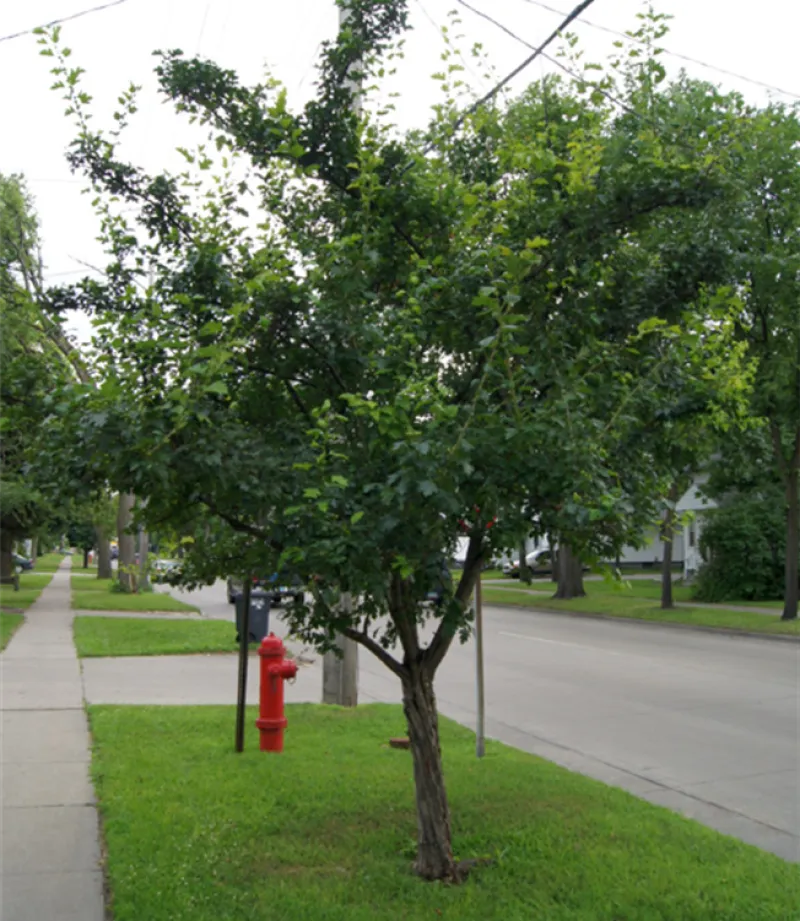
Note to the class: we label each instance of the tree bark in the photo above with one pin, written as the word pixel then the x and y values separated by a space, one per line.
pixel 144 578
pixel 103 554
pixel 667 602
pixel 570 574
pixel 668 538
pixel 434 843
pixel 34 548
pixel 6 555
pixel 524 569
pixel 86 553
pixel 790 597
pixel 127 542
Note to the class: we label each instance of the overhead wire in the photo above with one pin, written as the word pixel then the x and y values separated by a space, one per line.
pixel 667 51
pixel 610 96
pixel 487 97
pixel 57 22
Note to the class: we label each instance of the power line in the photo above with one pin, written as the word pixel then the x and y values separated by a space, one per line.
pixel 674 54
pixel 56 22
pixel 585 4
pixel 610 96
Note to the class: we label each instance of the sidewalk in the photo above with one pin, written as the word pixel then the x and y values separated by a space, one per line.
pixel 50 864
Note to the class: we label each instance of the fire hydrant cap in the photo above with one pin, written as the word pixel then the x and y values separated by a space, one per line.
pixel 271 646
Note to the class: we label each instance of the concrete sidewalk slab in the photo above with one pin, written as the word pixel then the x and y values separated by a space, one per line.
pixel 44 736
pixel 67 897
pixel 49 839
pixel 184 679
pixel 51 860
pixel 55 783
pixel 29 684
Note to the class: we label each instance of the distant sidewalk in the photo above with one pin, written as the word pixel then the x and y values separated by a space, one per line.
pixel 51 857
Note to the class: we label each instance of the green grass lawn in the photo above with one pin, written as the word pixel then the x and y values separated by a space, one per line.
pixel 48 562
pixel 486 574
pixel 641 588
pixel 127 636
pixel 619 604
pixel 96 595
pixel 77 569
pixel 30 587
pixel 8 624
pixel 327 830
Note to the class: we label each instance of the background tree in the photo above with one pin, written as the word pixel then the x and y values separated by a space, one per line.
pixel 766 227
pixel 81 534
pixel 743 541
pixel 33 358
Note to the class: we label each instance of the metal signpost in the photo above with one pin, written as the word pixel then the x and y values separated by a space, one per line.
pixel 244 641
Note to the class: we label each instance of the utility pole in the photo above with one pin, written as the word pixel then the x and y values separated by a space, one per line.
pixel 340 671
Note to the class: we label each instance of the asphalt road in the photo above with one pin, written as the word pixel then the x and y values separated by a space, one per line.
pixel 706 725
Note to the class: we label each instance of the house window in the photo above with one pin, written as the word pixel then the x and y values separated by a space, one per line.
pixel 691 536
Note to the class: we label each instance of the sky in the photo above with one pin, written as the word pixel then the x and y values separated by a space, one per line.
pixel 115 47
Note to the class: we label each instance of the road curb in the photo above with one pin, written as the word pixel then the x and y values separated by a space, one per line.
pixel 696 628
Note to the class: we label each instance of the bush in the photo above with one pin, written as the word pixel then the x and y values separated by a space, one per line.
pixel 743 544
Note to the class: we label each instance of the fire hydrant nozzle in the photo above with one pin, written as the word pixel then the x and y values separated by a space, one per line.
pixel 275 669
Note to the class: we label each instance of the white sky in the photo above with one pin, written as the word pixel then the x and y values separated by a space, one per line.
pixel 115 47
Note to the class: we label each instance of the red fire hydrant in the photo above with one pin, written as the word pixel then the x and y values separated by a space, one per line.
pixel 275 669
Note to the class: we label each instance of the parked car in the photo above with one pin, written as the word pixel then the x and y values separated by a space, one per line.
pixel 540 563
pixel 279 586
pixel 22 563
pixel 436 595
pixel 161 568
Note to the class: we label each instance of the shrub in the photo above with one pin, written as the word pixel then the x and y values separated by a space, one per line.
pixel 743 544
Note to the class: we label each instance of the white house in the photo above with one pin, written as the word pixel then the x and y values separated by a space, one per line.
pixel 685 542
pixel 698 505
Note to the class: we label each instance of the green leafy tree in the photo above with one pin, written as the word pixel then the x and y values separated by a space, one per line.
pixel 34 357
pixel 81 534
pixel 766 234
pixel 415 345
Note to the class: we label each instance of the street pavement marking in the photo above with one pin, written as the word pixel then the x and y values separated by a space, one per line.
pixel 539 639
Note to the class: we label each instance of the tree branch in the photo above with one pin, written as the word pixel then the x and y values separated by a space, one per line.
pixel 298 402
pixel 447 629
pixel 241 526
pixel 377 650
pixel 406 628
pixel 777 448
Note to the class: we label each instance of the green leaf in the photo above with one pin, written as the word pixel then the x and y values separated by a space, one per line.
pixel 219 387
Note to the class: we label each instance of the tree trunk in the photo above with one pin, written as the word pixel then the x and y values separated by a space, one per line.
pixel 127 542
pixel 790 596
pixel 6 556
pixel 524 569
pixel 34 548
pixel 144 578
pixel 668 538
pixel 570 574
pixel 434 846
pixel 103 554
pixel 86 553
pixel 667 603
